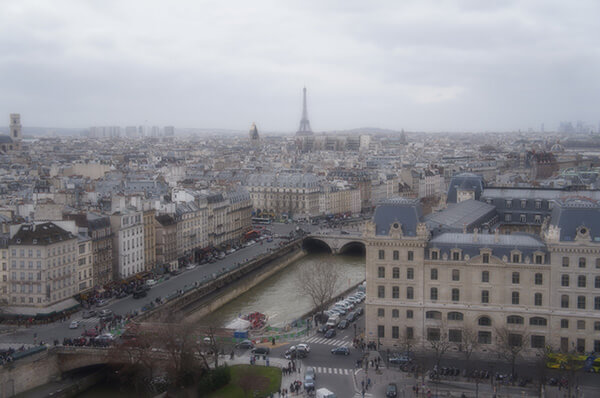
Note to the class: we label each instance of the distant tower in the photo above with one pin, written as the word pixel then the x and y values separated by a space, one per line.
pixel 304 128
pixel 254 134
pixel 15 130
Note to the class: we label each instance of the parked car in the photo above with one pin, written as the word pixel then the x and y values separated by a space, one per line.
pixel 304 346
pixel 352 316
pixel 190 267
pixel 391 391
pixel 261 350
pixel 245 344
pixel 399 359
pixel 150 282
pixel 330 334
pixel 88 314
pixel 139 293
pixel 359 311
pixel 176 271
pixel 89 333
pixel 74 325
pixel 340 351
pixel 344 323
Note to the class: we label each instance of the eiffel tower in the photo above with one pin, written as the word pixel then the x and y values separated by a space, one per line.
pixel 304 128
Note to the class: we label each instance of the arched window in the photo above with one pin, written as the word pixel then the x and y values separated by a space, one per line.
pixel 455 316
pixel 514 320
pixel 538 321
pixel 433 315
pixel 484 321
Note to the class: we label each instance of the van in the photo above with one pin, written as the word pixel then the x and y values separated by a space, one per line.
pixel 325 393
pixel 333 321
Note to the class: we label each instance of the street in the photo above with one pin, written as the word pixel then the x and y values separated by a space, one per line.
pixel 59 330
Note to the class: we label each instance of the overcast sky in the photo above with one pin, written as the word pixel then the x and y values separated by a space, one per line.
pixel 418 65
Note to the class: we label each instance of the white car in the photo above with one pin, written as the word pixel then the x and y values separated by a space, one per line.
pixel 150 282
pixel 304 346
pixel 190 266
pixel 74 325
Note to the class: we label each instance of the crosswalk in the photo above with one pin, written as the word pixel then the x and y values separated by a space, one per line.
pixel 333 371
pixel 359 395
pixel 323 340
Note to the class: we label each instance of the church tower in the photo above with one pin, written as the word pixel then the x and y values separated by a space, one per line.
pixel 15 130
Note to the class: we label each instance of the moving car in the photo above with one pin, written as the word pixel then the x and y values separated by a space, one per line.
pixel 330 334
pixel 190 267
pixel 74 325
pixel 325 393
pixel 89 333
pixel 322 329
pixel 352 316
pixel 391 391
pixel 139 293
pixel 88 314
pixel 340 351
pixel 150 282
pixel 309 383
pixel 105 312
pixel 310 371
pixel 102 303
pixel 245 344
pixel 295 352
pixel 261 350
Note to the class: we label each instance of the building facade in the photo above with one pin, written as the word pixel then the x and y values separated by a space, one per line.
pixel 43 265
pixel 128 243
pixel 540 290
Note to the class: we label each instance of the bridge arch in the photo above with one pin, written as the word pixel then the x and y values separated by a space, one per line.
pixel 316 245
pixel 353 247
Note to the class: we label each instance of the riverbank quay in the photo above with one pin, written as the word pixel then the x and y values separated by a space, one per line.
pixel 200 299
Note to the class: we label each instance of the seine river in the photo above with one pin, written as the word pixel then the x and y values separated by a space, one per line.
pixel 279 297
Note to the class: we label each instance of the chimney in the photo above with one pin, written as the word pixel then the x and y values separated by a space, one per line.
pixel 475 238
pixel 496 235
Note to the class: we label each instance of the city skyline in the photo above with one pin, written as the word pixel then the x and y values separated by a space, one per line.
pixel 413 66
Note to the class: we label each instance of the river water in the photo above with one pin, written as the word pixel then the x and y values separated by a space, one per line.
pixel 280 296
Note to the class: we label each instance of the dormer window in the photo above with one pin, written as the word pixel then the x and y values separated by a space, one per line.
pixel 435 254
pixel 523 203
pixel 508 204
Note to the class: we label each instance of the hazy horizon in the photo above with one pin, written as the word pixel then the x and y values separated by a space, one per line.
pixel 456 66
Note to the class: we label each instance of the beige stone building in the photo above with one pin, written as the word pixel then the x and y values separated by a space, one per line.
pixel 285 194
pixel 43 265
pixel 426 284
pixel 85 280
pixel 166 241
pixel 149 239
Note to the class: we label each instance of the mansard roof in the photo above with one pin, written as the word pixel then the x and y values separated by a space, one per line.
pixel 574 213
pixel 404 211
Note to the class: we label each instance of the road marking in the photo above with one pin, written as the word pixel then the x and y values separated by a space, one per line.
pixel 335 371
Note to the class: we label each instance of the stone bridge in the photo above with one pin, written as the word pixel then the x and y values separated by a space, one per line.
pixel 39 369
pixel 335 242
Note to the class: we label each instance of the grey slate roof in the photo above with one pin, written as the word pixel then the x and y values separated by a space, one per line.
pixel 284 180
pixel 469 213
pixel 466 181
pixel 405 211
pixel 570 214
pixel 501 245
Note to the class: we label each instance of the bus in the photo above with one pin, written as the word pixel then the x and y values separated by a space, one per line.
pixel 587 363
pixel 261 220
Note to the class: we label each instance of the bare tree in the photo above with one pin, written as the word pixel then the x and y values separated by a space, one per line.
pixel 318 281
pixel 541 364
pixel 438 341
pixel 510 345
pixel 210 343
pixel 407 341
pixel 470 340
